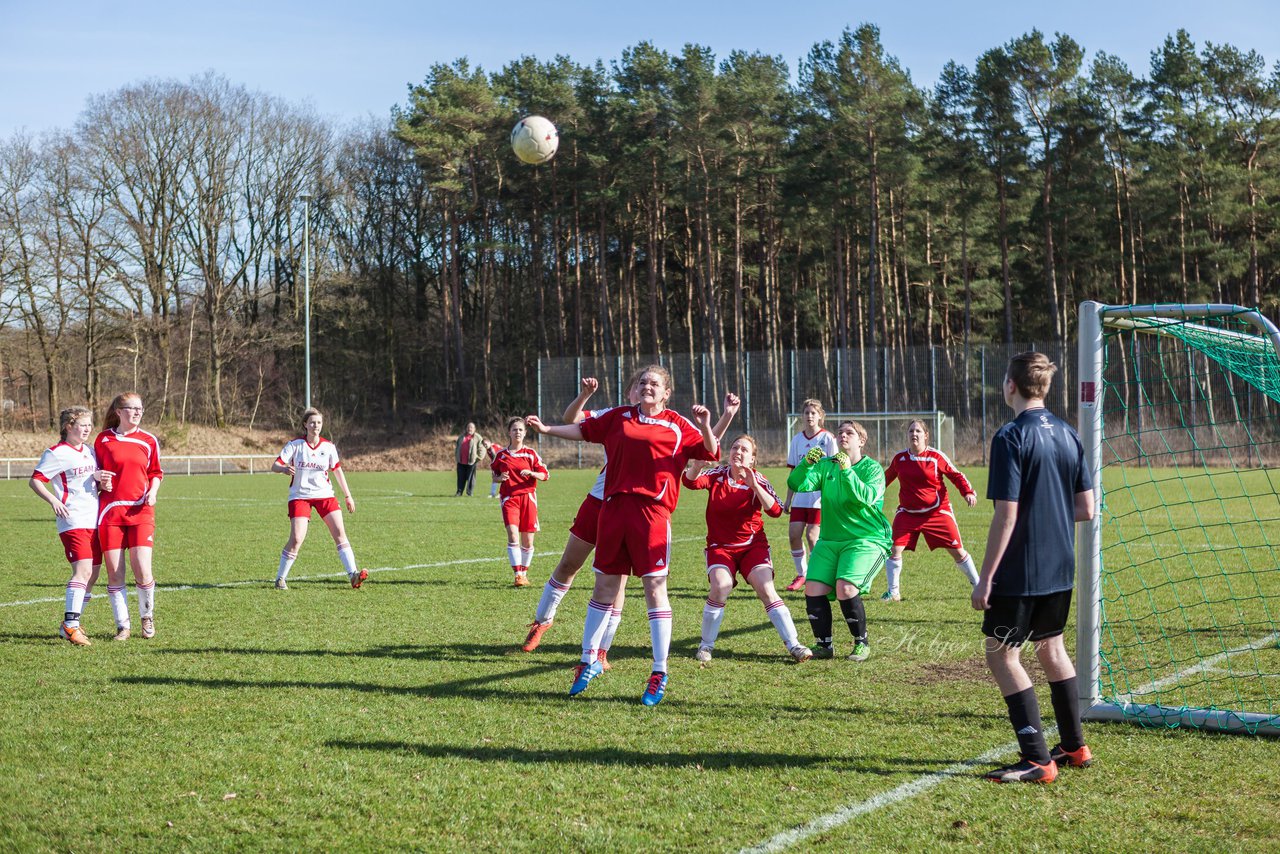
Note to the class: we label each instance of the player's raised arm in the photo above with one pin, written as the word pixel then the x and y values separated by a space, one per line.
pixel 562 431
pixel 573 412
pixel 702 420
pixel 732 404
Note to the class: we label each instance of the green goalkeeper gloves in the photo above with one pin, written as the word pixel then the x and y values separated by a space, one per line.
pixel 814 456
pixel 842 460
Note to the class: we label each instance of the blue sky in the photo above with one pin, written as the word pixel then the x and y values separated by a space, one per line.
pixel 351 60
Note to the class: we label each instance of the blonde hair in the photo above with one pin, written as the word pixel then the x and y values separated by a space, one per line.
pixel 923 426
pixel 1032 373
pixel 750 440
pixel 111 419
pixel 71 415
pixel 816 404
pixel 306 414
pixel 857 428
pixel 660 371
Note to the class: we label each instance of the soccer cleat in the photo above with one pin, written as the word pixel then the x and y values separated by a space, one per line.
pixel 75 635
pixel 148 627
pixel 1081 757
pixel 655 690
pixel 582 676
pixel 536 631
pixel 800 652
pixel 861 652
pixel 358 578
pixel 703 654
pixel 890 596
pixel 602 658
pixel 1025 771
pixel 281 584
pixel 122 633
pixel 824 651
pixel 796 584
pixel 522 579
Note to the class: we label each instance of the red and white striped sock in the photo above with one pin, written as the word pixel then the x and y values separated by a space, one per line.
pixel 778 614
pixel 119 605
pixel 75 602
pixel 513 557
pixel 712 614
pixel 593 629
pixel 660 637
pixel 552 594
pixel 526 558
pixel 611 629
pixel 286 563
pixel 146 598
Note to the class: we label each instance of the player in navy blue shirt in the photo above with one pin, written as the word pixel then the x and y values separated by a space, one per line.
pixel 1041 487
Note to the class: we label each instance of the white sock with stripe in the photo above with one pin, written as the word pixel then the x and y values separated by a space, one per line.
pixel 780 616
pixel 119 605
pixel 75 603
pixel 146 599
pixel 660 637
pixel 347 556
pixel 286 564
pixel 712 614
pixel 513 556
pixel 552 594
pixel 797 557
pixel 966 566
pixel 526 557
pixel 611 629
pixel 593 629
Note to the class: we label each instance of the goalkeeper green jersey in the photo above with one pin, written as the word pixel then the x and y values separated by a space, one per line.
pixel 852 499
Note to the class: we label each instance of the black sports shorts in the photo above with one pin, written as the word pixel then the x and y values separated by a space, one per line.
pixel 1014 620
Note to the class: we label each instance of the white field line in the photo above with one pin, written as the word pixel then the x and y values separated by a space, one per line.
pixel 263 582
pixel 1200 667
pixel 924 783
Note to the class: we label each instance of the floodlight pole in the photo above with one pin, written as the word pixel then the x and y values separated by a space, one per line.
pixel 306 274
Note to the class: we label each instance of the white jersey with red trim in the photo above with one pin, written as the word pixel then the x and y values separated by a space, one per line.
pixel 921 488
pixel 801 444
pixel 311 465
pixel 69 473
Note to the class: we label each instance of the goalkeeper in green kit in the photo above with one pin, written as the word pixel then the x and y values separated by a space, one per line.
pixel 854 540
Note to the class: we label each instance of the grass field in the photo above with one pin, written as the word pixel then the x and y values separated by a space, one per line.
pixel 402 717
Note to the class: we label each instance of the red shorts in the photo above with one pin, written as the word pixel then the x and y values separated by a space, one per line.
pixel 739 561
pixel 116 537
pixel 81 544
pixel 521 511
pixel 588 520
pixel 125 514
pixel 300 508
pixel 634 537
pixel 808 515
pixel 939 529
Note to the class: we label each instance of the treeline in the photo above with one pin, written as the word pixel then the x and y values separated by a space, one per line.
pixel 696 205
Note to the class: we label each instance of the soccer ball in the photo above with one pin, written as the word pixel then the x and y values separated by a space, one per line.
pixel 534 140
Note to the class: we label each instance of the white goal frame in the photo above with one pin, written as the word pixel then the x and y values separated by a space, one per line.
pixel 942 433
pixel 1139 318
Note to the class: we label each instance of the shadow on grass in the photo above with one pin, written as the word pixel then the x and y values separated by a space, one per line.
pixel 614 757
pixel 475 688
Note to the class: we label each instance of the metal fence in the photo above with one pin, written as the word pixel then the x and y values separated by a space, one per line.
pixel 963 383
pixel 21 467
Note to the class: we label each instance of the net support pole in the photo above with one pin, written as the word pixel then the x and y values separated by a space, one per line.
pixel 1089 534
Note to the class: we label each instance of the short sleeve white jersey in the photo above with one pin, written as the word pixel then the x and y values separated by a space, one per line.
pixel 801 445
pixel 69 473
pixel 312 464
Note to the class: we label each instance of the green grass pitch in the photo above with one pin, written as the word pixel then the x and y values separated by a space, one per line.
pixel 403 717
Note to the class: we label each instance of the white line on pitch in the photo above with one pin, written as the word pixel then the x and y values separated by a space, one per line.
pixel 253 582
pixel 910 789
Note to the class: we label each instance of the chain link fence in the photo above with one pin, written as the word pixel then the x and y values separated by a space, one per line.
pixel 966 384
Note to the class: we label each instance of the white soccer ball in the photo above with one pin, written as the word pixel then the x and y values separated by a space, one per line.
pixel 534 140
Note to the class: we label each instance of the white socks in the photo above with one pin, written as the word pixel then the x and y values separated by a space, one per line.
pixel 966 566
pixel 611 629
pixel 119 605
pixel 146 599
pixel 594 628
pixel 892 571
pixel 552 594
pixel 348 558
pixel 526 557
pixel 513 556
pixel 797 557
pixel 712 615
pixel 286 564
pixel 781 618
pixel 660 637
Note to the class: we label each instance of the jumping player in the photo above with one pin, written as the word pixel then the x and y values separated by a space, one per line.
pixel 855 536
pixel 737 545
pixel 129 458
pixel 582 535
pixel 71 469
pixel 647 445
pixel 804 509
pixel 924 508
pixel 1041 487
pixel 518 469
pixel 308 460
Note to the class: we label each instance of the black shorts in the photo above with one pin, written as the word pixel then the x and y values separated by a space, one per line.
pixel 1014 620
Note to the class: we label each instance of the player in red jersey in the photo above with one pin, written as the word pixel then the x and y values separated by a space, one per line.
pixel 737 545
pixel 648 445
pixel 308 460
pixel 129 458
pixel 518 468
pixel 582 535
pixel 804 509
pixel 924 507
pixel 72 470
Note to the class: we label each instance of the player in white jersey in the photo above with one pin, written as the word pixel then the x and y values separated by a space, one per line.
pixel 805 508
pixel 309 460
pixel 70 469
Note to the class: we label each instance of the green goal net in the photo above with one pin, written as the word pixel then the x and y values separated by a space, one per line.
pixel 1179 572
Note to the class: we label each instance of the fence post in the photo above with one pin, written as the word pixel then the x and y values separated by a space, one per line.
pixel 792 407
pixel 933 376
pixel 839 380
pixel 982 400
pixel 577 371
pixel 746 393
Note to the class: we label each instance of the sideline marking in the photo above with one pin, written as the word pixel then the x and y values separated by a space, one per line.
pixel 910 789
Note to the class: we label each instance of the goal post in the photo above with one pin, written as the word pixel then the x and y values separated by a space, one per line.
pixel 1178 573
pixel 886 431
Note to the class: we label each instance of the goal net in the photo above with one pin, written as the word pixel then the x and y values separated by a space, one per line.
pixel 886 431
pixel 1179 572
